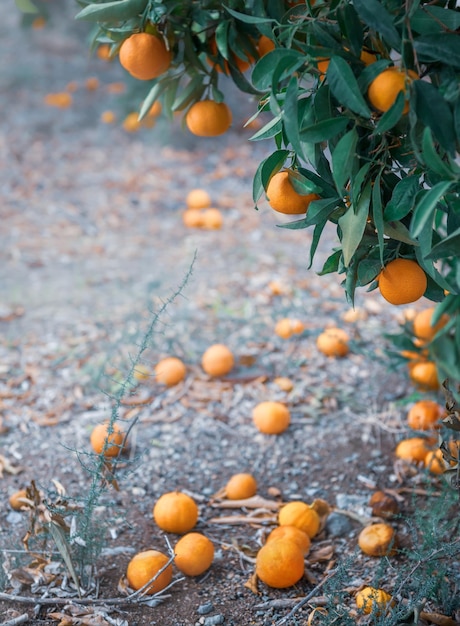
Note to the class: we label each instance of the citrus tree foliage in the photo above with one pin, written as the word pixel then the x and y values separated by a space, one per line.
pixel 389 180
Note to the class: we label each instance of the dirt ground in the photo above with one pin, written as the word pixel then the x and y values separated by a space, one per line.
pixel 93 245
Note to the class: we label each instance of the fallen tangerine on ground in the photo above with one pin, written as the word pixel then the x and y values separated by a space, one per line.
pixel 425 374
pixel 300 515
pixel 286 327
pixel 217 360
pixel 212 219
pixel 144 56
pixel 285 384
pixel 377 539
pixel 434 462
pixel 155 110
pixel 193 554
pixel 131 122
pixel 170 371
pixel 424 415
pixel 384 89
pixel 291 533
pixel 282 196
pixel 333 342
pixel 208 118
pixel 280 564
pixel 198 199
pixel 241 486
pixel 383 504
pixel 422 327
pixel 193 218
pixel 92 83
pixel 413 449
pixel 144 566
pixel 110 444
pixel 108 117
pixel 271 418
pixel 372 600
pixel 175 512
pixel 60 100
pixel 17 500
pixel 402 281
pixel 103 52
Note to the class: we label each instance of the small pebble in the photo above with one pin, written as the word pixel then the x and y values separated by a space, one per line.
pixel 338 525
pixel 213 620
pixel 204 609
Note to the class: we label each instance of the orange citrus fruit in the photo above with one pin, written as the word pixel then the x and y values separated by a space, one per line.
pixel 271 418
pixel 208 118
pixel 265 45
pixel 402 281
pixel 280 564
pixel 193 218
pixel 144 56
pixel 217 360
pixel 286 327
pixel 144 566
pixel 422 327
pixel 300 515
pixel 413 449
pixel 385 88
pixel 103 52
pixel 434 462
pixel 193 554
pixel 241 486
pixel 282 196
pixel 291 533
pixel 377 539
pixel 372 600
pixel 333 342
pixel 198 199
pixel 170 371
pixel 424 415
pixel 241 64
pixel 212 219
pixel 175 512
pixel 19 500
pixel 110 444
pixel 425 374
pixel 61 100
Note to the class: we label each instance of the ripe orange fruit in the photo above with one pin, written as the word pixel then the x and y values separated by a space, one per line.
pixel 425 374
pixel 280 564
pixel 212 219
pixel 144 56
pixel 193 554
pixel 422 327
pixel 370 597
pixel 193 218
pixel 402 281
pixel 285 384
pixel 385 88
pixel 291 533
pixel 61 100
pixel 103 52
pixel 377 539
pixel 18 500
pixel 131 122
pixel 217 360
pixel 175 512
pixel 383 504
pixel 241 64
pixel 155 109
pixel 198 199
pixel 241 486
pixel 367 57
pixel 333 342
pixel 208 118
pixel 271 418
pixel 144 566
pixel 300 515
pixel 265 45
pixel 92 83
pixel 109 444
pixel 170 371
pixel 282 196
pixel 434 462
pixel 413 449
pixel 424 415
pixel 287 327
pixel 108 117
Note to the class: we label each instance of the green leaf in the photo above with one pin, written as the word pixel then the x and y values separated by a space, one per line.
pixel 433 19
pixel 26 6
pixel 115 11
pixel 153 95
pixel 272 128
pixel 317 232
pixel 303 184
pixel 192 92
pixel 399 232
pixel 331 264
pixel 370 72
pixel 262 74
pixel 344 87
pixel 351 27
pixel 432 158
pixel 265 171
pixel 373 13
pixel 391 117
pixel 442 48
pixel 402 198
pixel 62 545
pixel 435 112
pixel 344 158
pixel 449 246
pixel 426 206
pixel 221 35
pixel 353 223
pixel 377 214
pixel 320 210
pixel 290 115
pixel 248 19
pixel 324 130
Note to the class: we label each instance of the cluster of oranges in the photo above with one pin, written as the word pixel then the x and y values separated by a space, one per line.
pixel 200 213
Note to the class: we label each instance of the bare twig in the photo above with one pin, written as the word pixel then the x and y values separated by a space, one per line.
pixel 20 619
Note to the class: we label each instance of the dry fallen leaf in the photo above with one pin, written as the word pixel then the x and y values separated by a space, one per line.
pixel 251 584
pixel 255 502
